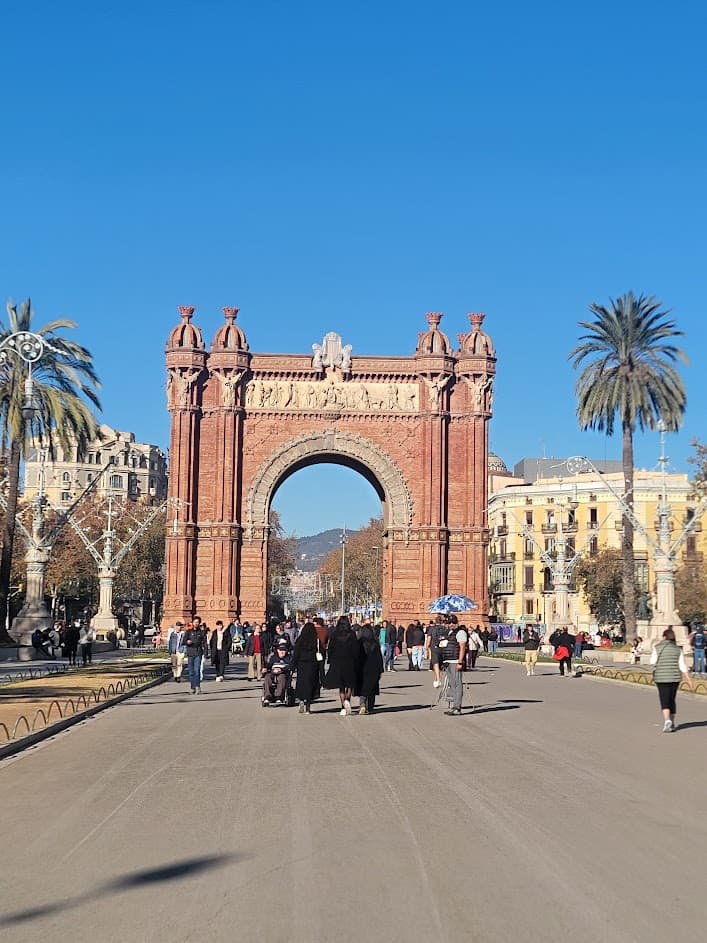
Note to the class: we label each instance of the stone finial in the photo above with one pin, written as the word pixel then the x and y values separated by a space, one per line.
pixel 433 319
pixel 476 319
pixel 230 314
pixel 186 311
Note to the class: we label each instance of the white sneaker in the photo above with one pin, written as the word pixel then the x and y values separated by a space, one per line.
pixel 347 707
pixel 342 712
pixel 436 684
pixel 668 726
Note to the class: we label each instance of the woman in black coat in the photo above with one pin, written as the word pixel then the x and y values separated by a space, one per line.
pixel 304 659
pixel 371 661
pixel 344 657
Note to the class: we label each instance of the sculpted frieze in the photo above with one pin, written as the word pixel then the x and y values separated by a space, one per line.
pixel 332 395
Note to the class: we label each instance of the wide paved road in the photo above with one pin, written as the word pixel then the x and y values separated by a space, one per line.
pixel 555 811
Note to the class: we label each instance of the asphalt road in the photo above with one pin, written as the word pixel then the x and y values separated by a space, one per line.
pixel 556 810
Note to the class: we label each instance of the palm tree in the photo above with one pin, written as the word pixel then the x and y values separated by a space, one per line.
pixel 64 383
pixel 630 377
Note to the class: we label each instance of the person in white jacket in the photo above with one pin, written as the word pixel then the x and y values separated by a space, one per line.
pixel 474 646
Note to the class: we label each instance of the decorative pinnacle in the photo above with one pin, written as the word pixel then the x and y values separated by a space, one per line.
pixel 230 314
pixel 433 319
pixel 186 311
pixel 477 319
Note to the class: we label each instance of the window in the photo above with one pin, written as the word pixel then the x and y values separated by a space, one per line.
pixel 529 607
pixel 550 545
pixel 528 579
pixel 503 578
pixel 593 519
pixel 641 570
pixel 66 496
pixel 691 545
pixel 116 481
pixel 592 497
pixel 594 546
pixel 66 477
pixel 502 548
pixel 528 549
pixel 529 518
pixel 89 477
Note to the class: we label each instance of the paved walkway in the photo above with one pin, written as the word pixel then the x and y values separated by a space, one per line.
pixel 555 811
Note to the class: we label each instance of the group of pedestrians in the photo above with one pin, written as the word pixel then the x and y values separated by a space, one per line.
pixel 67 641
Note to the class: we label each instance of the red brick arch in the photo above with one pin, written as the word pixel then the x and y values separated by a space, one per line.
pixel 416 427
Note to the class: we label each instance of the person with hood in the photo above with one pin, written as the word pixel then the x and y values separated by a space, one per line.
pixel 343 655
pixel 305 661
pixel 371 668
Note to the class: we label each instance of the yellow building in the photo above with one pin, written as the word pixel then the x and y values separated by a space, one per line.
pixel 136 471
pixel 526 517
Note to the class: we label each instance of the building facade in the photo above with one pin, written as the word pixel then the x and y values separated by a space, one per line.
pixel 416 427
pixel 580 509
pixel 134 470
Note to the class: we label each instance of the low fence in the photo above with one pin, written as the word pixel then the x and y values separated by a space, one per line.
pixel 589 665
pixel 60 709
pixel 29 674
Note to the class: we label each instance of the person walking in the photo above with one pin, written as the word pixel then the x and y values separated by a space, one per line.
pixel 669 667
pixel 71 642
pixel 306 663
pixel 452 645
pixel 493 640
pixel 578 644
pixel 531 646
pixel 408 644
pixel 433 634
pixel 176 649
pixel 474 645
pixel 253 650
pixel 564 646
pixel 417 638
pixel 371 669
pixel 391 638
pixel 698 640
pixel 195 644
pixel 220 649
pixel 86 639
pixel 343 655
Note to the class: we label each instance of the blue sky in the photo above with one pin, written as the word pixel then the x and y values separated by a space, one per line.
pixel 350 167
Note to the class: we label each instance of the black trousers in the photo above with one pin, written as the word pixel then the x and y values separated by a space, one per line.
pixel 566 662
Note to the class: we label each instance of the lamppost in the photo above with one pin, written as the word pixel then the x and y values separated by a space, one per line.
pixel 664 552
pixel 342 541
pixel 30 348
pixel 375 551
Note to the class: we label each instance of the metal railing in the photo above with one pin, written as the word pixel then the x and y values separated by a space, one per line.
pixel 60 709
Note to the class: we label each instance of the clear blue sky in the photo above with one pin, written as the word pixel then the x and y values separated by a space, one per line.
pixel 350 167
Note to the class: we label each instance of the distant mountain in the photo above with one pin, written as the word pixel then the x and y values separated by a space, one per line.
pixel 311 551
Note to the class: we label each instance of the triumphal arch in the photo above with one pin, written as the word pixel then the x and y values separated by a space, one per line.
pixel 416 427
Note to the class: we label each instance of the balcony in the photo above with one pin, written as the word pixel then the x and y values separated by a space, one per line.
pixel 529 555
pixel 501 530
pixel 549 528
pixel 529 588
pixel 570 527
pixel 592 525
pixel 696 556
pixel 696 528
pixel 502 558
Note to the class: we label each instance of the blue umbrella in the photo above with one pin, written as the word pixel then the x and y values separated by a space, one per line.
pixel 452 602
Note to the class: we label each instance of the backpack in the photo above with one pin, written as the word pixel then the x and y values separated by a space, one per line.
pixel 699 639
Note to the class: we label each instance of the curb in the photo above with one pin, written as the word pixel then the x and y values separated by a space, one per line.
pixel 13 747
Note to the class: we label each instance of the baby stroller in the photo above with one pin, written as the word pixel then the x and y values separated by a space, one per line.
pixel 277 686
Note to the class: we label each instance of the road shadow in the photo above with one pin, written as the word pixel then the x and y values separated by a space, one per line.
pixel 127 882
pixel 691 723
pixel 492 708
pixel 520 700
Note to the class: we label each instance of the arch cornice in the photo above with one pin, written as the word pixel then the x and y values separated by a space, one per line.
pixel 306 448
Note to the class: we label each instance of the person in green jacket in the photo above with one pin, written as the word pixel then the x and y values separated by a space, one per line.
pixel 669 667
